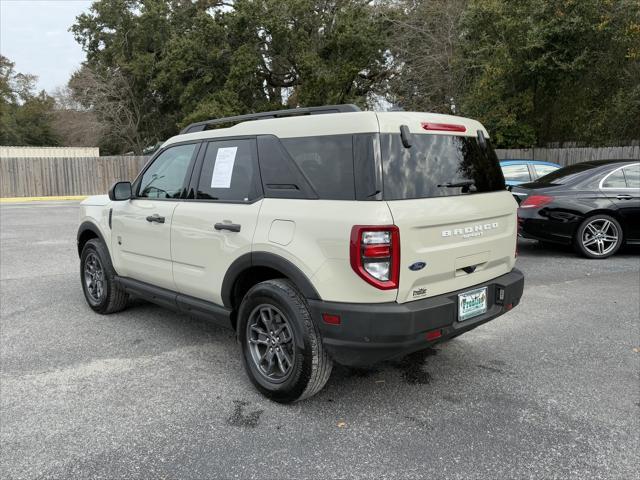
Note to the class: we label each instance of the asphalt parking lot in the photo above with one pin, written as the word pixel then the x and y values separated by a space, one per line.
pixel 551 390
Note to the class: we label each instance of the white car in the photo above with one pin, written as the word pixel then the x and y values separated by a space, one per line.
pixel 320 235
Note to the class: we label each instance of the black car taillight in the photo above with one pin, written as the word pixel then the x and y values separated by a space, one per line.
pixel 375 255
pixel 536 201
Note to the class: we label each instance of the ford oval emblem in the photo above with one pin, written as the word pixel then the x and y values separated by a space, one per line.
pixel 417 266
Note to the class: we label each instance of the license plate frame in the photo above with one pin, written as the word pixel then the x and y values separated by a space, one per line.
pixel 472 303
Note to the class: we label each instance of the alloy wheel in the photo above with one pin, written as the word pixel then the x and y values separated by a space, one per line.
pixel 270 341
pixel 600 236
pixel 94 277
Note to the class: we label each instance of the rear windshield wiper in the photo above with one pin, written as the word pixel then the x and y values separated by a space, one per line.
pixel 468 186
pixel 464 183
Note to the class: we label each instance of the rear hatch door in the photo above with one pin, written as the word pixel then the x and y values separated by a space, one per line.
pixel 461 242
pixel 457 221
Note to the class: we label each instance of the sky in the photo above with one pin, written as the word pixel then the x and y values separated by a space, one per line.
pixel 34 34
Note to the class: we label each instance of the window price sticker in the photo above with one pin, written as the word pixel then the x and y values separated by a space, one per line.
pixel 223 169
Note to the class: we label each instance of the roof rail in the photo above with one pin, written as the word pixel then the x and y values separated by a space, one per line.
pixel 293 112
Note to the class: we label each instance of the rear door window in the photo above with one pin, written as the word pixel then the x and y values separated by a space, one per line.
pixel 632 176
pixel 542 170
pixel 327 162
pixel 615 180
pixel 229 171
pixel 516 173
pixel 438 166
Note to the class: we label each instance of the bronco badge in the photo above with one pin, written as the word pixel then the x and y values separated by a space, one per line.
pixel 471 231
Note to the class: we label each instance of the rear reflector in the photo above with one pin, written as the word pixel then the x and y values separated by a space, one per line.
pixel 377 251
pixel 536 201
pixel 331 319
pixel 443 127
pixel 433 335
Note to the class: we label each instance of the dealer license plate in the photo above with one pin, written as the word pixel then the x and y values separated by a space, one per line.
pixel 472 303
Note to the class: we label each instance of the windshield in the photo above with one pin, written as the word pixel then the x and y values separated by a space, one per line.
pixel 438 166
pixel 565 174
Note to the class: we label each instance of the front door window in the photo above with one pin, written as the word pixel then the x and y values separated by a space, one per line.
pixel 166 177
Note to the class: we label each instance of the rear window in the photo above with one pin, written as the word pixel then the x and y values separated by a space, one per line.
pixel 615 180
pixel 542 170
pixel 516 173
pixel 565 175
pixel 632 176
pixel 327 162
pixel 438 166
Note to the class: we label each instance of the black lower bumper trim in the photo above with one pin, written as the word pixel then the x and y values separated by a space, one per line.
pixel 369 333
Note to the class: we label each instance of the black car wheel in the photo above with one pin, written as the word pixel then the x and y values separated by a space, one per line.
pixel 102 293
pixel 270 342
pixel 599 236
pixel 282 349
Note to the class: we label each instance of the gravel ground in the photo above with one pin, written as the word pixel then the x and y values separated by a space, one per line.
pixel 550 390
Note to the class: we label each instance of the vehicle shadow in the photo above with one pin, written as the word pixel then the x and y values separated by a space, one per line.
pixel 175 329
pixel 534 248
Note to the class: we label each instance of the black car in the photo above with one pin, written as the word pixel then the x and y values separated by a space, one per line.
pixel 593 205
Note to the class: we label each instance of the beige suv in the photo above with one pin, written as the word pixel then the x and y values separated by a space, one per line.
pixel 320 235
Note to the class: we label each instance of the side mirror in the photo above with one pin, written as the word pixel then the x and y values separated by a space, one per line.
pixel 120 191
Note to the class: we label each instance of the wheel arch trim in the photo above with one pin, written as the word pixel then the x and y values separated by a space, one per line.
pixel 269 260
pixel 92 227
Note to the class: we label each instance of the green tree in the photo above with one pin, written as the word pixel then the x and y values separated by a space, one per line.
pixel 34 121
pixel 25 117
pixel 186 60
pixel 553 70
pixel 8 134
pixel 124 41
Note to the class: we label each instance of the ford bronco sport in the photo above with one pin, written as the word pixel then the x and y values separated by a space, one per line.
pixel 320 235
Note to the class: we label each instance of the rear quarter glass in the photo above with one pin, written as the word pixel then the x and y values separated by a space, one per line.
pixel 327 163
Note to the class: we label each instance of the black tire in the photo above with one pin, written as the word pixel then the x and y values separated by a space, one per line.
pixel 110 297
pixel 586 235
pixel 309 365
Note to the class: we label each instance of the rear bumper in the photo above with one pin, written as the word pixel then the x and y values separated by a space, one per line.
pixel 369 333
pixel 556 227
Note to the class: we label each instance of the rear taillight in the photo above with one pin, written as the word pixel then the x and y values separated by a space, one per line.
pixel 375 255
pixel 536 201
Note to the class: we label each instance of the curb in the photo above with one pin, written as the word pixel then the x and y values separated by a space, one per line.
pixel 41 199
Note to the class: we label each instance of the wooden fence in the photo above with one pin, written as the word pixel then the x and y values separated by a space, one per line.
pixel 40 177
pixel 569 156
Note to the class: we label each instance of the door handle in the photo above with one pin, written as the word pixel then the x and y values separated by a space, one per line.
pixel 232 227
pixel 624 197
pixel 155 218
